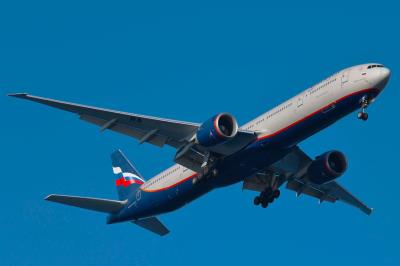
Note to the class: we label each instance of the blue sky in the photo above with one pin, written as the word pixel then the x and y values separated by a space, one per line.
pixel 188 62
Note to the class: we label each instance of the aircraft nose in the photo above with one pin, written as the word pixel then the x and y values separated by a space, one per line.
pixel 385 73
pixel 384 76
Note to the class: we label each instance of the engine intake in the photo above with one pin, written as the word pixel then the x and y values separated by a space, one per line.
pixel 327 167
pixel 217 130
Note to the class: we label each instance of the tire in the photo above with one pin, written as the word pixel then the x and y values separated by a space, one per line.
pixel 264 204
pixel 362 116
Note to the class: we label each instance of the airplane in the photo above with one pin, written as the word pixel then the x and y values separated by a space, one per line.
pixel 263 154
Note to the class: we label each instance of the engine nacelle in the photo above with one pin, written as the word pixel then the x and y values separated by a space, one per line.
pixel 327 167
pixel 217 130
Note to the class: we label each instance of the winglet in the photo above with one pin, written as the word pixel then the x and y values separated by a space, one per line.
pixel 48 197
pixel 18 95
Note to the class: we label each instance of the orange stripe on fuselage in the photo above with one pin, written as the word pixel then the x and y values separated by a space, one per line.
pixel 270 135
pixel 313 113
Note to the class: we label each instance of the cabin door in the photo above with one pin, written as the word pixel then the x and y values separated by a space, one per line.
pixel 345 77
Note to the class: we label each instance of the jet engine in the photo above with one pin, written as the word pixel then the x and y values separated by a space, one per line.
pixel 217 130
pixel 327 167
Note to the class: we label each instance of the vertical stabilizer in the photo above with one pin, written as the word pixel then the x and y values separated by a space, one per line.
pixel 127 178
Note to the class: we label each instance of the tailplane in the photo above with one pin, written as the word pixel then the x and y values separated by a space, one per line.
pixel 152 224
pixel 94 204
pixel 128 179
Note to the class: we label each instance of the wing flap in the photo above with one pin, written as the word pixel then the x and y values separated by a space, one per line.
pixel 336 190
pixel 137 133
pixel 331 192
pixel 308 189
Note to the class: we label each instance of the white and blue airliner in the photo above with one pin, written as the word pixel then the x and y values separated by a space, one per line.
pixel 263 154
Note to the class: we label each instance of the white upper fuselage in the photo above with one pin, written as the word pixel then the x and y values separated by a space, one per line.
pixel 314 99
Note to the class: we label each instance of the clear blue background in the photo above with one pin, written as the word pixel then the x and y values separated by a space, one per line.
pixel 188 62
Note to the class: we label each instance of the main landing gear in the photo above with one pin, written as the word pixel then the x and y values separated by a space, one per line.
pixel 266 197
pixel 206 174
pixel 363 115
pixel 208 169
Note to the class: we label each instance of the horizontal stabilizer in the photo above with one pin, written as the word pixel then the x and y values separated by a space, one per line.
pixel 100 205
pixel 153 224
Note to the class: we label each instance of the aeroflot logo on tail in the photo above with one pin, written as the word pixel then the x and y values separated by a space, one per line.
pixel 125 179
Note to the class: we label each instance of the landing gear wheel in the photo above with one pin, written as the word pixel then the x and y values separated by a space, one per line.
pixel 276 193
pixel 267 197
pixel 264 204
pixel 363 116
pixel 263 194
pixel 257 201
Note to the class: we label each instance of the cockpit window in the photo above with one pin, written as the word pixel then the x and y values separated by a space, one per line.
pixel 372 66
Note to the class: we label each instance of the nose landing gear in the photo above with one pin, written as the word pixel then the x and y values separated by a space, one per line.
pixel 363 115
pixel 266 197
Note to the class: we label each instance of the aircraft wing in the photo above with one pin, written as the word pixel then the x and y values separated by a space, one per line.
pixel 154 130
pixel 292 169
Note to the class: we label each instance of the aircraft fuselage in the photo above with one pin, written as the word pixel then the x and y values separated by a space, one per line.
pixel 278 131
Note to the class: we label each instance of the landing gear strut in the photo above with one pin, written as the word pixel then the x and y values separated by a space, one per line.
pixel 206 174
pixel 207 169
pixel 363 115
pixel 266 197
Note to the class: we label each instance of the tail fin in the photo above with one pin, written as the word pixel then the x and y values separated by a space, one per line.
pixel 128 179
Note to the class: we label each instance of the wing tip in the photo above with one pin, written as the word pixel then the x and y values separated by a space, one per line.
pixel 165 233
pixel 49 197
pixel 18 95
